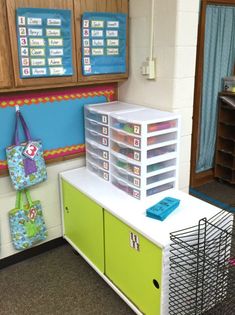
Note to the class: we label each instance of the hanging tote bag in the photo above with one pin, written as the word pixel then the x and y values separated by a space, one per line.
pixel 25 160
pixel 27 224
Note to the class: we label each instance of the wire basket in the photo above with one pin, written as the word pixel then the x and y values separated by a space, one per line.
pixel 202 268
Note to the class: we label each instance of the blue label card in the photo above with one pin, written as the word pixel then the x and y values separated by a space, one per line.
pixel 103 43
pixel 44 42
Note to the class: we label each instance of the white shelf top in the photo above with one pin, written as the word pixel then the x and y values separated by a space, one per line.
pixel 149 115
pixel 132 211
pixel 107 108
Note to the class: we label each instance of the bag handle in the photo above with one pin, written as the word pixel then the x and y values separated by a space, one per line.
pixel 28 197
pixel 20 118
pixel 19 200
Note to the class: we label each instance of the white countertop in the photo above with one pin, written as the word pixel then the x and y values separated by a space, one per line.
pixel 132 211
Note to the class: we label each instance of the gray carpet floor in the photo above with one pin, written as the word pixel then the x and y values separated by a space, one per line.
pixel 57 282
pixel 220 191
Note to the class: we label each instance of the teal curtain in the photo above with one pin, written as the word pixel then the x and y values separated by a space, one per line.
pixel 219 58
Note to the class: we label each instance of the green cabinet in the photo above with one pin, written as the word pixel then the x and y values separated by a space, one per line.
pixel 83 224
pixel 133 264
pixel 123 256
pixel 131 250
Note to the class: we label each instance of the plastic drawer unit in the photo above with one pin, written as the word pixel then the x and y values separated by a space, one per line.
pixel 144 151
pixel 97 133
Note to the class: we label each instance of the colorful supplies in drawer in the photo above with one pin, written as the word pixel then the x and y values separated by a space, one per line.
pixel 163 208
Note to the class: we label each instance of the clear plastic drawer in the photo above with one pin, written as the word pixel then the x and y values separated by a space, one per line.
pixel 125 151
pixel 93 125
pixel 126 188
pixel 162 150
pixel 158 189
pixel 97 161
pixel 128 127
pixel 104 154
pixel 96 137
pixel 96 170
pixel 162 125
pixel 98 117
pixel 123 164
pixel 126 139
pixel 159 177
pixel 161 165
pixel 162 138
pixel 133 180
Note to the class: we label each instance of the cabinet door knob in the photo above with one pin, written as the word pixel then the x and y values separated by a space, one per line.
pixel 67 209
pixel 156 284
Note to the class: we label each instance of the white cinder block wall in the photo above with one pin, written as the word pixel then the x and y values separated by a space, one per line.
pixel 176 24
pixel 175 49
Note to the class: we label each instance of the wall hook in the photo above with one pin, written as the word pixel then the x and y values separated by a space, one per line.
pixel 17 108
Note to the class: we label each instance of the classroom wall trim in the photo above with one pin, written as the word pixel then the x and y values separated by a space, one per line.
pixel 10 101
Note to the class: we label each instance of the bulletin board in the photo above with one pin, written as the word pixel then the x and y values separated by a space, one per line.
pixel 55 117
pixel 103 43
pixel 44 42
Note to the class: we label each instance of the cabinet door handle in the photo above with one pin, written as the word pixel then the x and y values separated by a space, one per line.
pixel 156 284
pixel 67 209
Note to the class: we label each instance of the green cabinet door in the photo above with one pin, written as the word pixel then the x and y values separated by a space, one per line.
pixel 133 264
pixel 83 224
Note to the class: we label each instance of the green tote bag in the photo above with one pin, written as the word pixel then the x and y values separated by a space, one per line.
pixel 26 220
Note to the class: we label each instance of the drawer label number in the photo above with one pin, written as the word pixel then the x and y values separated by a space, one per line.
pixel 106 165
pixel 136 170
pixel 136 156
pixel 105 155
pixel 136 182
pixel 104 119
pixel 104 141
pixel 105 130
pixel 137 129
pixel 136 194
pixel 136 142
pixel 106 176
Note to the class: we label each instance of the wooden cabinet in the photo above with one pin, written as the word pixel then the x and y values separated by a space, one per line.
pixel 83 224
pixel 5 54
pixel 133 263
pixel 225 144
pixel 12 5
pixel 10 78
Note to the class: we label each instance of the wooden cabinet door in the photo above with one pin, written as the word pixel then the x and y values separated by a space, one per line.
pixel 111 6
pixel 83 224
pixel 12 5
pixel 133 264
pixel 5 55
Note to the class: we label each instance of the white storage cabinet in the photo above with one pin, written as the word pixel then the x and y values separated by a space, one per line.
pixel 144 151
pixel 127 249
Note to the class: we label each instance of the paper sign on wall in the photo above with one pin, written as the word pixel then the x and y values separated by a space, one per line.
pixel 44 42
pixel 104 43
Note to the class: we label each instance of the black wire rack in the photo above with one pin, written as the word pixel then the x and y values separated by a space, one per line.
pixel 202 268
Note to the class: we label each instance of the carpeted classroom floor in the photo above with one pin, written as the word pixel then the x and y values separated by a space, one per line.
pixel 217 193
pixel 57 282
pixel 60 282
